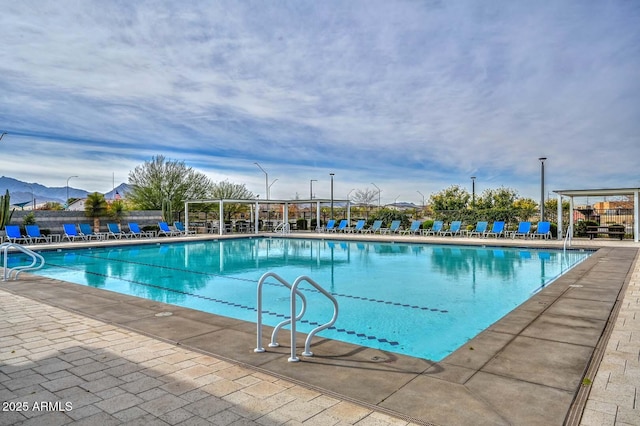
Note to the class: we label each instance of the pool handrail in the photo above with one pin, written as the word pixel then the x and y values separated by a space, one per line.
pixel 277 328
pixel 7 272
pixel 283 228
pixel 307 343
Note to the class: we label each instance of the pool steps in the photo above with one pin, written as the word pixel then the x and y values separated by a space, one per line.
pixel 7 272
pixel 296 317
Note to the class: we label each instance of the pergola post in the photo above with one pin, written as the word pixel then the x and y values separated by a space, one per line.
pixel 636 214
pixel 221 218
pixel 560 227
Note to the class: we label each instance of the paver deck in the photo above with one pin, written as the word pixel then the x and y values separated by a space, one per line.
pixel 119 359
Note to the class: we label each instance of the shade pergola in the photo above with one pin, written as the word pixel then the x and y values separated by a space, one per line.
pixel 572 193
pixel 255 204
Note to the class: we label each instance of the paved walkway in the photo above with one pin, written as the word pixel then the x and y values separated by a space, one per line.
pixel 59 368
pixel 614 398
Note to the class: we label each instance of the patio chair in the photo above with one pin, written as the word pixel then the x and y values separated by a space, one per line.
pixel 329 227
pixel 87 231
pixel 497 229
pixel 358 228
pixel 375 227
pixel 342 226
pixel 524 230
pixel 71 232
pixel 480 229
pixel 435 228
pixel 414 229
pixel 115 232
pixel 136 232
pixel 166 230
pixel 543 230
pixel 394 228
pixel 454 229
pixel 183 230
pixel 33 232
pixel 14 235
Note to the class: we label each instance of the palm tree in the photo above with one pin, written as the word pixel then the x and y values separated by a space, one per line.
pixel 117 210
pixel 95 206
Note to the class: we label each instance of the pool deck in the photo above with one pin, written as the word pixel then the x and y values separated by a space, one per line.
pixel 123 360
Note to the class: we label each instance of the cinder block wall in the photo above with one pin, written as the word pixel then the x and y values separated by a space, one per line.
pixel 52 220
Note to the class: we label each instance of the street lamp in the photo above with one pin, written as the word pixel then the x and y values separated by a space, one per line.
pixel 473 191
pixel 331 174
pixel 266 180
pixel 33 198
pixel 422 198
pixel 379 191
pixel 274 181
pixel 2 135
pixel 68 190
pixel 349 193
pixel 311 188
pixel 542 188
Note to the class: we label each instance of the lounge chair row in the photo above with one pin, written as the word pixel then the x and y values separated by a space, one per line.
pixel 481 229
pixel 84 232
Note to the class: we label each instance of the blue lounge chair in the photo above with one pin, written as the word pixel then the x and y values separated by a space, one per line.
pixel 87 231
pixel 34 235
pixel 330 226
pixel 480 229
pixel 435 228
pixel 454 229
pixel 359 226
pixel 115 232
pixel 375 227
pixel 497 229
pixel 543 230
pixel 183 230
pixel 136 232
pixel 166 230
pixel 71 232
pixel 14 235
pixel 341 227
pixel 414 229
pixel 394 228
pixel 524 230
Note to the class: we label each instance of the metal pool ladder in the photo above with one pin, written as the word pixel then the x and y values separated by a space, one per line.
pixel 296 317
pixel 283 228
pixel 7 272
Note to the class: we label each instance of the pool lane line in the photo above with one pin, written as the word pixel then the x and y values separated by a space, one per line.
pixel 343 295
pixel 235 305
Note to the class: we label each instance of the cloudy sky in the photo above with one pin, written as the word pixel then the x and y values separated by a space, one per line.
pixel 412 96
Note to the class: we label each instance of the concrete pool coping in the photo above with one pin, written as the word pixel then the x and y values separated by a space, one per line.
pixel 525 369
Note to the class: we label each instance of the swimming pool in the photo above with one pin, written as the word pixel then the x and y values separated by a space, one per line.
pixel 421 300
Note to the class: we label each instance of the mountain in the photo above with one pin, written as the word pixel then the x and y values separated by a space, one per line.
pixel 22 192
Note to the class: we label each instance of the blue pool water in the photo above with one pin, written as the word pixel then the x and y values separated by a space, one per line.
pixel 416 299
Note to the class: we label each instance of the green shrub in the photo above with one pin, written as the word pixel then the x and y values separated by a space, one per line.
pixel 427 224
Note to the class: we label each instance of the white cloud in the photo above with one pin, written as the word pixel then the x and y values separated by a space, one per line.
pixel 416 96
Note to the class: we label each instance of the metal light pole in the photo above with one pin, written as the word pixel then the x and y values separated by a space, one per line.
pixel 68 190
pixel 542 187
pixel 422 198
pixel 274 181
pixel 379 191
pixel 266 180
pixel 349 193
pixel 33 198
pixel 331 174
pixel 311 188
pixel 473 191
pixel 2 135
